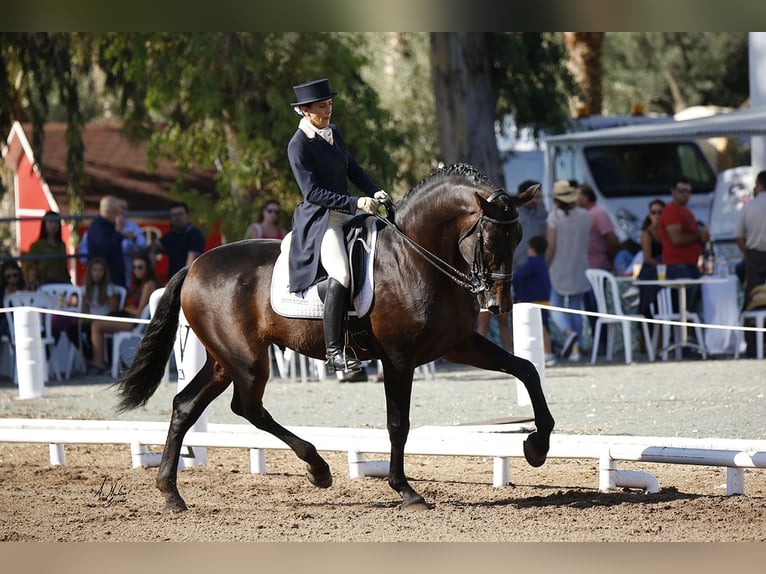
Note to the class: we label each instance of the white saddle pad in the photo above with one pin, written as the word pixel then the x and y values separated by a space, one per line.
pixel 307 304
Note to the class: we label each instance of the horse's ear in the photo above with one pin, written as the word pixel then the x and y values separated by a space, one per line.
pixel 525 195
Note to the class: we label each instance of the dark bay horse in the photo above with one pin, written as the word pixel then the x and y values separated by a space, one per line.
pixel 451 253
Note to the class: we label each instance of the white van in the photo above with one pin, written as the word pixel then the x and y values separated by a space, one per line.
pixel 630 166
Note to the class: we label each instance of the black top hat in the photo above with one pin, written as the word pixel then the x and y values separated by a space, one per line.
pixel 314 91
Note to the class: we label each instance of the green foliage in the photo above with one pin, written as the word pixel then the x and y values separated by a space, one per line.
pixel 530 76
pixel 668 71
pixel 397 66
pixel 222 100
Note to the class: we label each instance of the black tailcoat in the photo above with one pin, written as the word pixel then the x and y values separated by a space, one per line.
pixel 322 172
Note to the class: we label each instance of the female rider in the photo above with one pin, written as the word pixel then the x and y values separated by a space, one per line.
pixel 322 166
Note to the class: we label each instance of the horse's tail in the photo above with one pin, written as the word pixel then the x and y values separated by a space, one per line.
pixel 143 376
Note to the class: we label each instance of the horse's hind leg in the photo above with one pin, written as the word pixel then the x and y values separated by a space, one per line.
pixel 247 402
pixel 188 406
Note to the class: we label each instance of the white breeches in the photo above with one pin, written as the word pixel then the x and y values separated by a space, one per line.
pixel 332 253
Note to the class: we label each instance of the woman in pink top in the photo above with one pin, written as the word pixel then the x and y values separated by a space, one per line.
pixel 267 226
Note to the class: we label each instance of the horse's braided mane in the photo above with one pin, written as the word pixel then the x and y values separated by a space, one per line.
pixel 457 171
pixel 463 171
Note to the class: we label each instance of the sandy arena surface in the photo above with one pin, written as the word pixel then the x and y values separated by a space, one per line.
pixel 97 496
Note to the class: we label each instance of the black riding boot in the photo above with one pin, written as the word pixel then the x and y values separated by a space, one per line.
pixel 335 304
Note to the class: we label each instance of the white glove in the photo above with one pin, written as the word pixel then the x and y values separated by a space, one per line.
pixel 368 204
pixel 382 196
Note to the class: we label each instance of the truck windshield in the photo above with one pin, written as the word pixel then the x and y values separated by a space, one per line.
pixel 648 169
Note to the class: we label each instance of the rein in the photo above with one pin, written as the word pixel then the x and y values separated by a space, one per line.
pixel 478 280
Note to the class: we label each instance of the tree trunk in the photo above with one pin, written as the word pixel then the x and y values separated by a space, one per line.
pixel 586 67
pixel 465 101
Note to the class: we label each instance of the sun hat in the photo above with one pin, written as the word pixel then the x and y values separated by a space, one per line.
pixel 757 298
pixel 314 91
pixel 564 191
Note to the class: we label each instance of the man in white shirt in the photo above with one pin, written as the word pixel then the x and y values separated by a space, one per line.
pixel 750 233
pixel 751 236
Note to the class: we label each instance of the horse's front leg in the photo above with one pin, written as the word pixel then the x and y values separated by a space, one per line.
pixel 484 354
pixel 398 387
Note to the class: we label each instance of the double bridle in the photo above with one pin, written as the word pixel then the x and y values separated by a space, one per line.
pixel 477 281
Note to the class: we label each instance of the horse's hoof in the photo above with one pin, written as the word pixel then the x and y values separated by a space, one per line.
pixel 321 479
pixel 533 456
pixel 175 504
pixel 415 506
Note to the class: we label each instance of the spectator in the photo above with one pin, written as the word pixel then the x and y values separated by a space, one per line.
pixel 99 297
pixel 532 284
pixel 143 283
pixel 50 262
pixel 532 217
pixel 682 239
pixel 651 251
pixel 750 232
pixel 105 236
pixel 183 243
pixel 568 232
pixel 267 226
pixel 602 241
pixel 11 280
pixel 133 242
pixel 602 247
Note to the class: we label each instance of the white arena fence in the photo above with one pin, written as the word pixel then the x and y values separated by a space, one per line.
pixel 501 443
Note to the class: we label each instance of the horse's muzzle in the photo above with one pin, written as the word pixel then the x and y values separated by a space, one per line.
pixel 495 305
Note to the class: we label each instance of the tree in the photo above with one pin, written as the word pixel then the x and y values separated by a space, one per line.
pixel 585 65
pixel 222 99
pixel 43 65
pixel 668 71
pixel 207 100
pixel 479 78
pixel 399 70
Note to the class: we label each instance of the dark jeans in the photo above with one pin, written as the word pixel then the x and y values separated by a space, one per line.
pixel 755 274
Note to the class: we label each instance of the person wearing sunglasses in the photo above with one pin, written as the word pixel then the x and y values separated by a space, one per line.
pixel 267 226
pixel 651 252
pixel 142 284
pixel 681 236
pixel 651 244
pixel 683 239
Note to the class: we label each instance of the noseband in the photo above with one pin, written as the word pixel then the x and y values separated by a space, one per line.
pixel 479 278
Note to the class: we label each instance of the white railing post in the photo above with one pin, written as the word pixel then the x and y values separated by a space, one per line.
pixel 30 359
pixel 528 344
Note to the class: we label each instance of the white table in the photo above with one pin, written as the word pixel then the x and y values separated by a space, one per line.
pixel 719 291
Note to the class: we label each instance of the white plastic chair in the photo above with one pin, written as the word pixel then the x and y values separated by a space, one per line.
pixel 664 312
pixel 32 299
pixel 600 282
pixel 759 316
pixel 120 336
pixel 68 297
pixel 122 292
